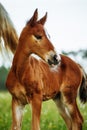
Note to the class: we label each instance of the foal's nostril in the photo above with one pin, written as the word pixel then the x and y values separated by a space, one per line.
pixel 55 59
pixel 50 62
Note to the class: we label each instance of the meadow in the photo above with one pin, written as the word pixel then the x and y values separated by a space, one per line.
pixel 50 118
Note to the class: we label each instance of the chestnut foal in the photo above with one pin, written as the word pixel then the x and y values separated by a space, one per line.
pixel 54 77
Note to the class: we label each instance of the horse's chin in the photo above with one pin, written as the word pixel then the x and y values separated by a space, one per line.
pixel 53 67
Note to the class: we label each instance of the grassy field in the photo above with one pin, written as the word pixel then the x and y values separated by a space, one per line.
pixel 50 118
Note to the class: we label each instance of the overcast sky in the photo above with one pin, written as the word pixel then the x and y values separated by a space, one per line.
pixel 66 23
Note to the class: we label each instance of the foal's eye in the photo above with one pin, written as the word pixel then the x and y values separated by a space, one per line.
pixel 38 37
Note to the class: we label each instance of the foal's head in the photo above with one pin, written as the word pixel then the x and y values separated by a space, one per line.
pixel 37 41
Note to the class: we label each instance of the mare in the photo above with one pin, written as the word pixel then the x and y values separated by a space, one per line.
pixel 32 81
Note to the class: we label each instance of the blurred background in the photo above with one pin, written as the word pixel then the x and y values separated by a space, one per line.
pixel 66 25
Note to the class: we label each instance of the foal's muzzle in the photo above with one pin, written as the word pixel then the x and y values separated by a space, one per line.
pixel 53 60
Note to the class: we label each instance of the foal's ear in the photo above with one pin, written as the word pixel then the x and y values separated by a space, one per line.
pixel 34 18
pixel 43 19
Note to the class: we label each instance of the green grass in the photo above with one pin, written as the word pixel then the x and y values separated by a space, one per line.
pixel 50 118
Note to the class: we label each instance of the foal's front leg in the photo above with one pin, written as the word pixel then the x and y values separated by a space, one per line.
pixel 17 111
pixel 36 111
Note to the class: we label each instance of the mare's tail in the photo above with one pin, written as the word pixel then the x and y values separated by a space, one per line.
pixel 83 87
pixel 8 33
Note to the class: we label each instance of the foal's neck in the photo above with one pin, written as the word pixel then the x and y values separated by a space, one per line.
pixel 21 56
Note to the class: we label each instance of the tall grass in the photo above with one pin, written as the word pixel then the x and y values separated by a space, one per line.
pixel 50 118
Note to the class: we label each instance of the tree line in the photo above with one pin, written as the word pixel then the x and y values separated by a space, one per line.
pixel 3 76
